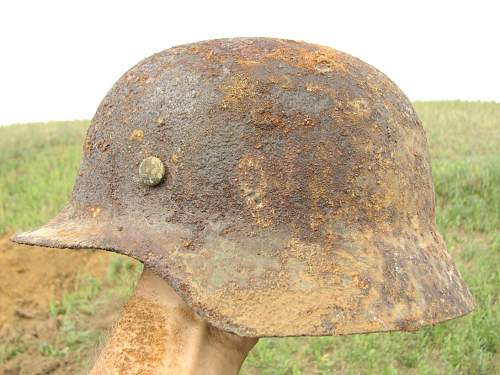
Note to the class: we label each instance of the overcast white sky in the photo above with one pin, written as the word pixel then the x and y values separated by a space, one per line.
pixel 59 58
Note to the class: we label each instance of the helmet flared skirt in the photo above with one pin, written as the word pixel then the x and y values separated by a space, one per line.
pixel 364 282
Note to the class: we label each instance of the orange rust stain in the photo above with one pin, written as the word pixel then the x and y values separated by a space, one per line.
pixel 103 144
pixel 206 52
pixel 95 211
pixel 136 135
pixel 174 158
pixel 303 119
pixel 321 59
pixel 265 117
pixel 140 78
pixel 359 282
pixel 238 88
pixel 282 80
pixel 247 63
pixel 241 94
pixel 87 145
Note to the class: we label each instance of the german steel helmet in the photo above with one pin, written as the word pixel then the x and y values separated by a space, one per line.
pixel 281 188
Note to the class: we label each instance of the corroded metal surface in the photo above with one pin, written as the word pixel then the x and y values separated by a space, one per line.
pixel 298 199
pixel 152 171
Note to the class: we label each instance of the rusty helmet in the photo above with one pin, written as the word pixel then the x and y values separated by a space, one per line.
pixel 281 188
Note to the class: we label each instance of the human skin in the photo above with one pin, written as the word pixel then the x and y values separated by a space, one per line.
pixel 159 334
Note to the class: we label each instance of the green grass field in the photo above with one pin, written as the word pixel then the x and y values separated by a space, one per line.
pixel 38 163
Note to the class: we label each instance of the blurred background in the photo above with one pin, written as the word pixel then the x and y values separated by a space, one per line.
pixel 58 60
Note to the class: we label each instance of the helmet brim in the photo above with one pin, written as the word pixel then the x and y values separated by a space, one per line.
pixel 401 283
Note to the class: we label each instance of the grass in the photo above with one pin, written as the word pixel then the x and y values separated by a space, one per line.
pixel 74 336
pixel 38 164
pixel 11 349
pixel 88 294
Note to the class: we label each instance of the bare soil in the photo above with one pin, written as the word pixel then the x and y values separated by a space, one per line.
pixel 32 277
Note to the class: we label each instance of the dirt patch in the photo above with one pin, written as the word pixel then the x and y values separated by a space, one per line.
pixel 30 279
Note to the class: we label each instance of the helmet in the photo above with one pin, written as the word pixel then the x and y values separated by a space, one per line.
pixel 281 188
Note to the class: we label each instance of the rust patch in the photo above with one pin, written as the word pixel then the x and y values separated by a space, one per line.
pixel 206 52
pixel 174 158
pixel 238 88
pixel 87 145
pixel 136 135
pixel 283 81
pixel 319 59
pixel 103 145
pixel 95 211
pixel 264 117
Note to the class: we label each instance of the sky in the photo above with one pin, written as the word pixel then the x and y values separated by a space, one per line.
pixel 59 58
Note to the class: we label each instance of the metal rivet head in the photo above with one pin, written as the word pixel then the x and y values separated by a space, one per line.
pixel 152 171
